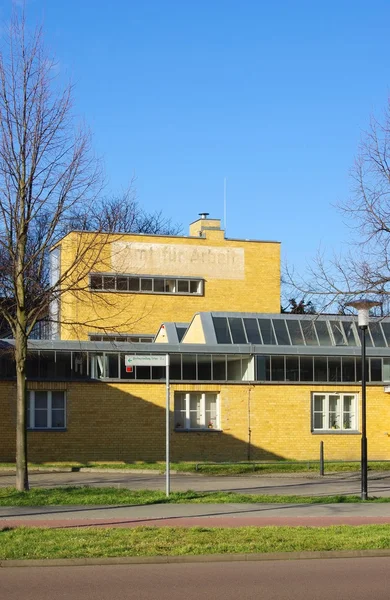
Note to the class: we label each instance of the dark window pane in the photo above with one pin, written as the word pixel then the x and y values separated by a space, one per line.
pixel 334 368
pixel 222 330
pixel 263 368
pixel 122 284
pixel 112 364
pixel 376 369
pixel 320 368
pixel 337 331
pixel 58 418
pixel 348 373
pixel 376 334
pixel 159 285
pixel 134 284
pixel 142 372
pixel 306 368
pixel 159 373
pixel 47 365
pixel 237 329
pixel 295 333
pixel 41 400
pixel 386 331
pixel 63 365
pixel 323 333
pixel 58 400
pixel 309 333
pixel 147 285
pixel 267 332
pixel 180 332
pixel 292 368
pixel 189 366
pixel 32 365
pixel 96 282
pixel 281 332
pixel 109 283
pixel 40 418
pixel 349 330
pixel 204 367
pixel 175 366
pixel 318 419
pixel 359 369
pixel 219 367
pixel 252 331
pixel 183 286
pixel 7 364
pixel 277 368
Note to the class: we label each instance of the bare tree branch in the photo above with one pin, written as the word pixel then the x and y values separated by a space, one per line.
pixel 365 269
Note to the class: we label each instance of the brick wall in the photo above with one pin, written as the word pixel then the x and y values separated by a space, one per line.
pixel 253 286
pixel 126 422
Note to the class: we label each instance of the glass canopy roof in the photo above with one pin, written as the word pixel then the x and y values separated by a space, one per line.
pixel 297 330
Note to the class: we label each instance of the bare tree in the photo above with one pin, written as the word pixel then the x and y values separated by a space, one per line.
pixel 47 176
pixel 365 269
pixel 49 185
pixel 123 213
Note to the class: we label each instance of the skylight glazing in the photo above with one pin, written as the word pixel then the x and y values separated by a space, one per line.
pixel 297 332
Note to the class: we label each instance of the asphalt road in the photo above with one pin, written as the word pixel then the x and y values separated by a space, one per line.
pixel 296 484
pixel 320 579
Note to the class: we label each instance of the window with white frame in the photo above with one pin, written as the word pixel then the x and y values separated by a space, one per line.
pixel 46 409
pixel 334 412
pixel 196 410
pixel 145 284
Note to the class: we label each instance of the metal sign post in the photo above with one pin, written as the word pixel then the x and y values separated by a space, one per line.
pixel 156 360
pixel 167 465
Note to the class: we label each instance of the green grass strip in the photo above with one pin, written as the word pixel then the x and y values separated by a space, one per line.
pixel 34 543
pixel 113 496
pixel 214 468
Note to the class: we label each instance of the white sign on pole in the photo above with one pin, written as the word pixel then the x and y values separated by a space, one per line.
pixel 156 360
pixel 143 360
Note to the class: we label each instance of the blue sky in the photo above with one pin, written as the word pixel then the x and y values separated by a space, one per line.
pixel 272 96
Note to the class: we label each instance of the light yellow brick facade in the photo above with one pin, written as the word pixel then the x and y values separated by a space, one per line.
pixel 239 275
pixel 126 422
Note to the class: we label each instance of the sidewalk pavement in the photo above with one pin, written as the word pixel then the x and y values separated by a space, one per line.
pixel 281 484
pixel 205 515
pixel 195 515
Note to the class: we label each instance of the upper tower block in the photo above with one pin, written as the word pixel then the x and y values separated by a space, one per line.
pixel 207 228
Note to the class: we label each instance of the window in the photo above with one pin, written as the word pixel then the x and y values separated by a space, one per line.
pixel 320 369
pixel 146 284
pixel 196 410
pixel 334 412
pixel 114 337
pixel 46 409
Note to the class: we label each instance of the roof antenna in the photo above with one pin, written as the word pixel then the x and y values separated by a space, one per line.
pixel 224 204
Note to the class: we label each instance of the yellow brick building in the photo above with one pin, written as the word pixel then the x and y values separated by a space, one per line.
pixel 246 382
pixel 131 283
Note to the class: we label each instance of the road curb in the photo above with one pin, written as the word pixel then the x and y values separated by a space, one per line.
pixel 140 560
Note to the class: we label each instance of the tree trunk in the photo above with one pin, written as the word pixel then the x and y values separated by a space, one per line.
pixel 21 412
pixel 21 403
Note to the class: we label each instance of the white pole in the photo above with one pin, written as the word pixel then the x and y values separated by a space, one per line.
pixel 167 466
